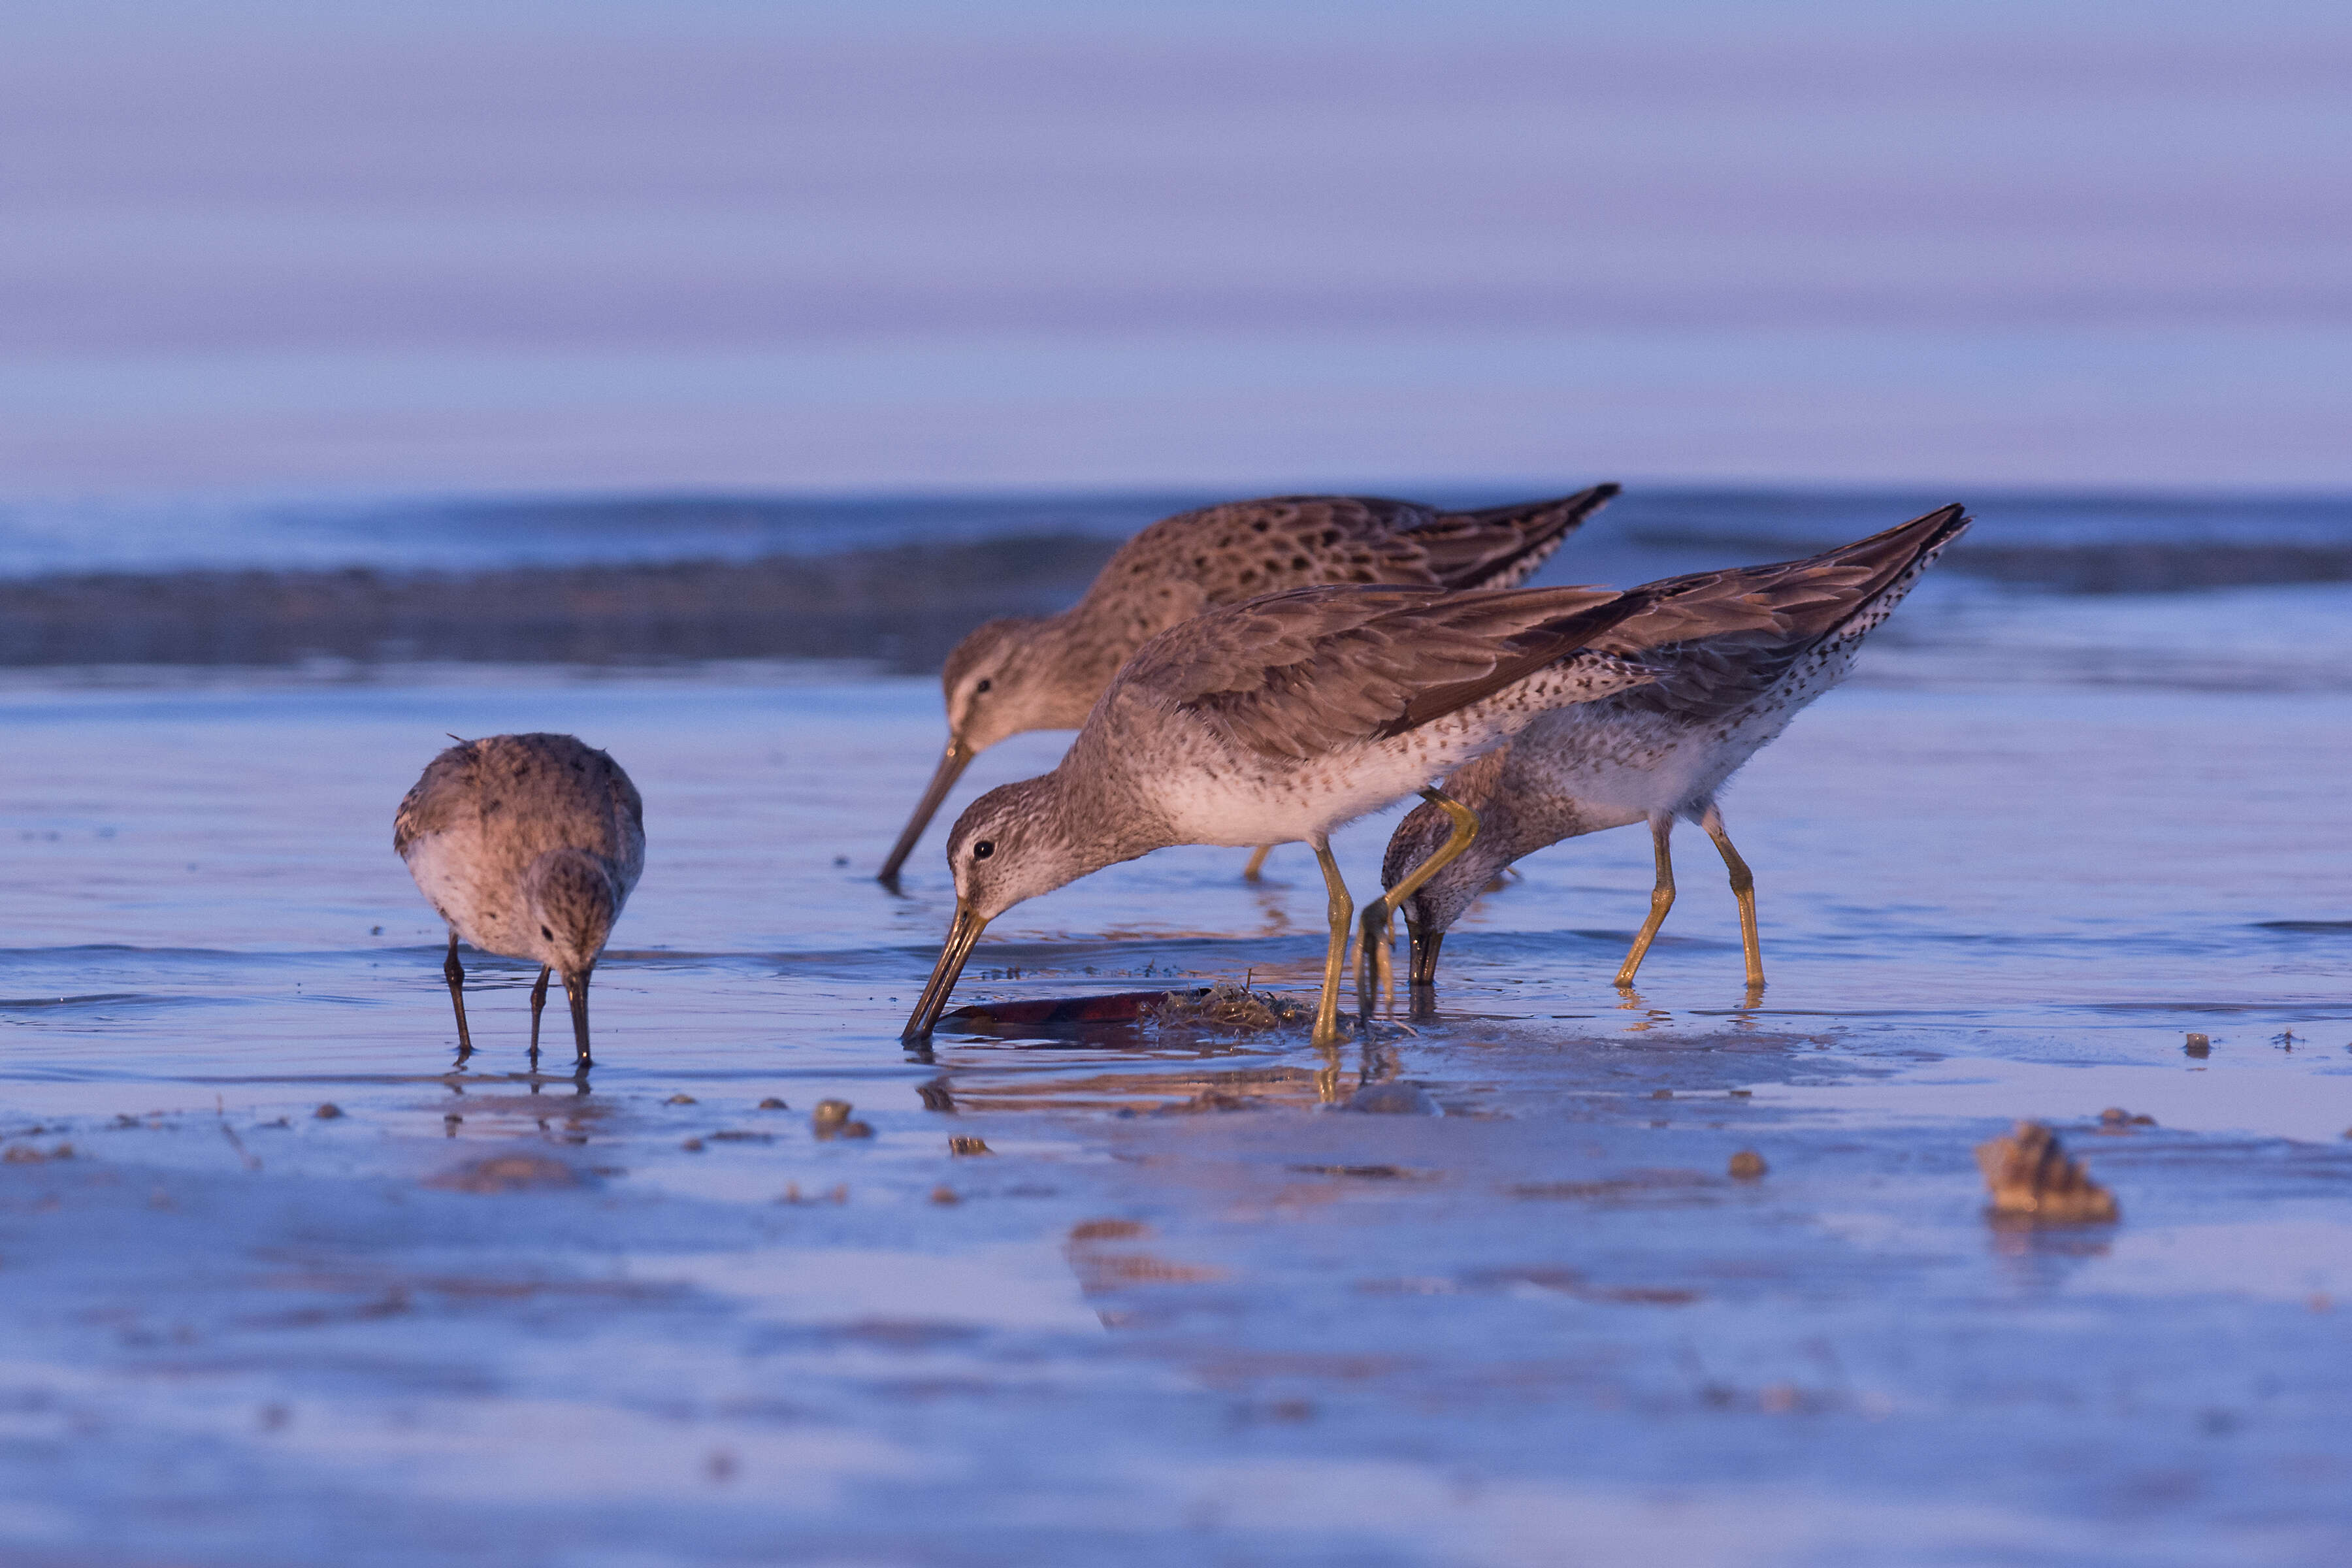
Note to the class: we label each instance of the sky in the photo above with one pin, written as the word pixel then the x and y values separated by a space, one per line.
pixel 249 245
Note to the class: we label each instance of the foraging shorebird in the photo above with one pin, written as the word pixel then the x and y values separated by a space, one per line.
pixel 528 846
pixel 1279 719
pixel 1031 672
pixel 1730 682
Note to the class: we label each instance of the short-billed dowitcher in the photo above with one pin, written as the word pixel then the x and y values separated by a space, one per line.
pixel 1730 682
pixel 1281 720
pixel 528 846
pixel 1045 672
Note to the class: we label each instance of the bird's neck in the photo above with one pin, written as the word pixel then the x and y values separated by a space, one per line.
pixel 1517 815
pixel 1102 811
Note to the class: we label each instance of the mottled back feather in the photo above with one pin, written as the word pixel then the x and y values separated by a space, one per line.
pixel 1720 639
pixel 552 791
pixel 1227 554
pixel 1304 673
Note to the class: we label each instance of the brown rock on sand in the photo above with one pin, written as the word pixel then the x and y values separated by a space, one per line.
pixel 2031 1178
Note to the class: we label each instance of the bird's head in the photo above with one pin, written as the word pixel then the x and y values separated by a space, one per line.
pixel 992 688
pixel 573 904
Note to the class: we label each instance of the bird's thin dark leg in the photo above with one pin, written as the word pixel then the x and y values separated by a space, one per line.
pixel 455 974
pixel 1662 899
pixel 1421 976
pixel 1377 932
pixel 1743 888
pixel 538 1001
pixel 575 988
pixel 1256 862
pixel 1335 962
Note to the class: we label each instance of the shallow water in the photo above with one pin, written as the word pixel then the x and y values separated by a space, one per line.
pixel 2001 874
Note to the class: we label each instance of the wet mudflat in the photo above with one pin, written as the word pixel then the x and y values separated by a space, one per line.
pixel 1140 1294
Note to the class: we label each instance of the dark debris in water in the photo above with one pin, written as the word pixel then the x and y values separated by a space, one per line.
pixel 832 1120
pixel 1201 1008
pixel 1365 1173
pixel 2033 1181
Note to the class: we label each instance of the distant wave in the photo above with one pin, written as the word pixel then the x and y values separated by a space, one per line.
pixel 905 606
pixel 638 581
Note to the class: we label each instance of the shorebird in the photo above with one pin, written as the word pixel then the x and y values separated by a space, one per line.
pixel 1730 679
pixel 1030 673
pixel 528 846
pixel 1280 719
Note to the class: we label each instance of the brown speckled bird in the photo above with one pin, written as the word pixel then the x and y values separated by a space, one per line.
pixel 528 846
pixel 1739 653
pixel 1278 719
pixel 1044 672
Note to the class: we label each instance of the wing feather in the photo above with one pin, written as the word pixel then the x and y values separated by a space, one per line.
pixel 1719 640
pixel 1303 673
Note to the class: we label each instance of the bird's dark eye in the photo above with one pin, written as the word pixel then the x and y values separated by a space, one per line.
pixel 984 685
pixel 983 850
pixel 546 933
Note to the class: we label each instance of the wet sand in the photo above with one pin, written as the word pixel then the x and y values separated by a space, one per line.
pixel 1179 1312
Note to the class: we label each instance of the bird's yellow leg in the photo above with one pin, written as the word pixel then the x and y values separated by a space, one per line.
pixel 1256 862
pixel 1743 888
pixel 1335 962
pixel 1662 899
pixel 1377 912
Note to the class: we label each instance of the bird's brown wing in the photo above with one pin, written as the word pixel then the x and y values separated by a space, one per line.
pixel 1502 546
pixel 1245 549
pixel 436 800
pixel 1720 639
pixel 1300 674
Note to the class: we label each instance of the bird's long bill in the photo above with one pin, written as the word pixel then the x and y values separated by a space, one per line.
pixel 1422 971
pixel 575 990
pixel 964 931
pixel 952 765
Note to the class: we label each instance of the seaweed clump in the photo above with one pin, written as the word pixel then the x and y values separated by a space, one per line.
pixel 2033 1181
pixel 1231 1008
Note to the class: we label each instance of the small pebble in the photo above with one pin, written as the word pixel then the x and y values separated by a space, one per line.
pixel 2198 1046
pixel 944 1195
pixel 329 1111
pixel 969 1146
pixel 692 1146
pixel 772 1103
pixel 1662 1094
pixel 1743 1094
pixel 679 1100
pixel 830 1113
pixel 1748 1164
